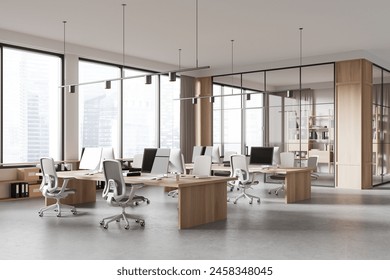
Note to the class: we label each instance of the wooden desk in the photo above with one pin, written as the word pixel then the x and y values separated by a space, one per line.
pixel 201 201
pixel 297 181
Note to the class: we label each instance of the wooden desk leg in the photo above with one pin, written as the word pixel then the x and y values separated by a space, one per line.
pixel 85 192
pixel 202 204
pixel 298 186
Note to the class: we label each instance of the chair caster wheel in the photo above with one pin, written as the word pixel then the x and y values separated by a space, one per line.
pixel 136 203
pixel 105 227
pixel 251 202
pixel 118 221
pixel 234 202
pixel 148 202
pixel 142 223
pixel 40 214
pixel 127 227
pixel 269 192
pixel 258 201
pixel 101 223
pixel 74 212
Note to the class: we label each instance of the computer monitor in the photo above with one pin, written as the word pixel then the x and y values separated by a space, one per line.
pixel 91 158
pixel 148 159
pixel 161 162
pixel 261 155
pixel 197 151
pixel 176 162
pixel 213 152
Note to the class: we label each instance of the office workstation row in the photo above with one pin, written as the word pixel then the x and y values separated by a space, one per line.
pixel 165 168
pixel 201 199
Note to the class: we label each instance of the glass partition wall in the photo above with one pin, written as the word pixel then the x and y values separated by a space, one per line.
pixel 381 126
pixel 290 108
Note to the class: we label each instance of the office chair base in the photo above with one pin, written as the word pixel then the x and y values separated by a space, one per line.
pixel 173 193
pixel 277 190
pixel 139 199
pixel 248 196
pixel 123 216
pixel 57 207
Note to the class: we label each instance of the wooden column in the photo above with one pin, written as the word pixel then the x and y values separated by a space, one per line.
pixel 354 124
pixel 203 112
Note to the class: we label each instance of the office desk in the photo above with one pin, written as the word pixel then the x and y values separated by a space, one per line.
pixel 297 181
pixel 200 201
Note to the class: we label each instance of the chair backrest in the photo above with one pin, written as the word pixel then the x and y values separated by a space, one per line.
pixel 197 151
pixel 239 166
pixel 113 173
pixel 137 161
pixel 202 166
pixel 49 178
pixel 287 159
pixel 276 156
pixel 312 162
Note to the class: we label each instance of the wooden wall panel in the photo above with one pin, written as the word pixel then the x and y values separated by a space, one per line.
pixel 348 124
pixel 354 124
pixel 204 112
pixel 349 176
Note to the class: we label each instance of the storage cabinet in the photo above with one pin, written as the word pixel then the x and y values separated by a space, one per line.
pixel 24 181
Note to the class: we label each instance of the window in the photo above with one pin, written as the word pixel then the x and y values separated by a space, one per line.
pixel 139 113
pixel 99 120
pixel 31 106
pixel 169 113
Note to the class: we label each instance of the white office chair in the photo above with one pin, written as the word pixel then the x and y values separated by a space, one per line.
pixel 245 180
pixel 286 161
pixel 115 194
pixel 50 188
pixel 312 162
pixel 226 162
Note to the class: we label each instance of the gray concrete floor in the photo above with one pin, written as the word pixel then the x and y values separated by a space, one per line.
pixel 335 224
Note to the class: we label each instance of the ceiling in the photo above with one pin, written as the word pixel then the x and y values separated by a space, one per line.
pixel 265 33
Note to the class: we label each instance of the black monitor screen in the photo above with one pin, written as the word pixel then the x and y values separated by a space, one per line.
pixel 148 159
pixel 261 155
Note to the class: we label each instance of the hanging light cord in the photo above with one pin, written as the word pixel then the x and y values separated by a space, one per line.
pixel 300 46
pixel 232 62
pixel 179 59
pixel 123 36
pixel 197 36
pixel 64 22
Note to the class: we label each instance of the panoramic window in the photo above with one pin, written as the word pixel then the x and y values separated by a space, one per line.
pixel 139 113
pixel 169 113
pixel 31 106
pixel 98 106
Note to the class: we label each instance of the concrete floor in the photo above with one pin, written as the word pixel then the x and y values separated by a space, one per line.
pixel 335 224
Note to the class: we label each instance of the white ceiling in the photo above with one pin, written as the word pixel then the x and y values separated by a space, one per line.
pixel 265 33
